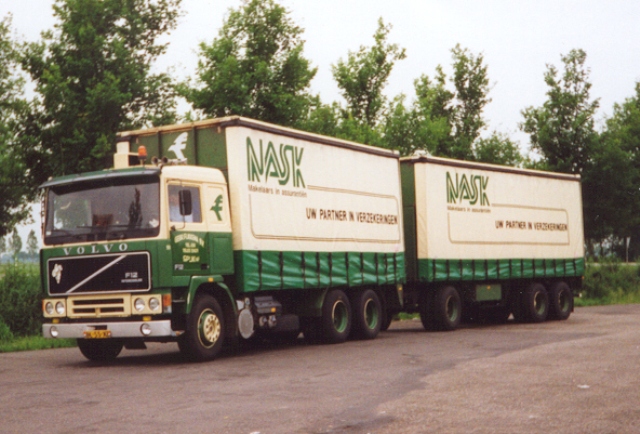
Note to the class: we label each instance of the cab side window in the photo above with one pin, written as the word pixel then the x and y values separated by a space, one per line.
pixel 184 204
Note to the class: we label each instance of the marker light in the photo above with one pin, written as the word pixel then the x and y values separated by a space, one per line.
pixel 48 307
pixel 142 154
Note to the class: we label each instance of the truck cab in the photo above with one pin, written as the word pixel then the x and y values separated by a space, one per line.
pixel 123 248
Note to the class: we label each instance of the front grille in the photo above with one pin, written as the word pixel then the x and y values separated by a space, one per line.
pixel 95 274
pixel 96 307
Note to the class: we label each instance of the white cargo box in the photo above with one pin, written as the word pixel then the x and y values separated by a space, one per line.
pixel 470 221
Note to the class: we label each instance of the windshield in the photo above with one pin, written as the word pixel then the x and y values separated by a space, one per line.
pixel 106 209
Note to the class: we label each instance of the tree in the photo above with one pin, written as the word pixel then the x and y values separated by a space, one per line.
pixel 15 244
pixel 471 81
pixel 363 76
pixel 93 78
pixel 14 192
pixel 497 149
pixel 562 130
pixel 32 243
pixel 254 68
pixel 612 175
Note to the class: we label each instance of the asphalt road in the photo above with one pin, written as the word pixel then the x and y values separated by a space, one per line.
pixel 576 376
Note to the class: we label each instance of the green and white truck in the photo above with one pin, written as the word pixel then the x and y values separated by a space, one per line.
pixel 237 228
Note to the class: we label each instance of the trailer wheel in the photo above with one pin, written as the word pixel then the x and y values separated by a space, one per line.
pixel 101 350
pixel 336 317
pixel 535 303
pixel 560 301
pixel 441 310
pixel 205 330
pixel 367 315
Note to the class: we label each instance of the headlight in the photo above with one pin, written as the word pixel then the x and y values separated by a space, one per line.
pixel 48 307
pixel 60 308
pixel 139 304
pixel 154 304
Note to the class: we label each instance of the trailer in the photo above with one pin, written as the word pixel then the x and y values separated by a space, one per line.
pixel 486 241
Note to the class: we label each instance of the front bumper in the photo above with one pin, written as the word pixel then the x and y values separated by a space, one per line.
pixel 129 329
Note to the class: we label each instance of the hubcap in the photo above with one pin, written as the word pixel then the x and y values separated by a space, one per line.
pixel 538 303
pixel 340 316
pixel 563 298
pixel 371 314
pixel 452 309
pixel 209 328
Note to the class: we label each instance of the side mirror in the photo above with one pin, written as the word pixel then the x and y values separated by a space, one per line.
pixel 185 202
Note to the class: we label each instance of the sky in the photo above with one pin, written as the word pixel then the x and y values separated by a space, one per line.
pixel 518 39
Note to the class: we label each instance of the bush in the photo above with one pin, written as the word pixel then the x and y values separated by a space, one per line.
pixel 21 299
pixel 5 332
pixel 612 282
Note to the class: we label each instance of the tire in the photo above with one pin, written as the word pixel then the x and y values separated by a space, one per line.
pixel 367 315
pixel 100 350
pixel 560 301
pixel 535 303
pixel 336 317
pixel 442 310
pixel 204 336
pixel 387 317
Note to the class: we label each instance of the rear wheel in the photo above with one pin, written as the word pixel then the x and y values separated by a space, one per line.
pixel 100 350
pixel 560 301
pixel 367 315
pixel 336 317
pixel 205 330
pixel 535 303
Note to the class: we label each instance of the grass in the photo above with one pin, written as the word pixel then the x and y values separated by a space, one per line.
pixel 30 343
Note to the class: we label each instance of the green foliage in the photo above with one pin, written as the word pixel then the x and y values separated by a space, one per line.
pixel 30 343
pixel 472 87
pixel 611 282
pixel 14 177
pixel 497 149
pixel 15 244
pixel 32 243
pixel 254 68
pixel 363 76
pixel 562 130
pixel 21 299
pixel 5 332
pixel 93 78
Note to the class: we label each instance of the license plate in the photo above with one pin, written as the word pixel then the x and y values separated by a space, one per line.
pixel 97 334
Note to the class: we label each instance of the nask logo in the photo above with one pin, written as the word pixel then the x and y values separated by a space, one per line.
pixel 283 165
pixel 471 189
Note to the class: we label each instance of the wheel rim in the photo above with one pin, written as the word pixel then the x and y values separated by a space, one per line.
pixel 563 301
pixel 209 328
pixel 452 308
pixel 371 314
pixel 340 316
pixel 539 303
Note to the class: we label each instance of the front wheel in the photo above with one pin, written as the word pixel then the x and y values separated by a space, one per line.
pixel 102 350
pixel 204 336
